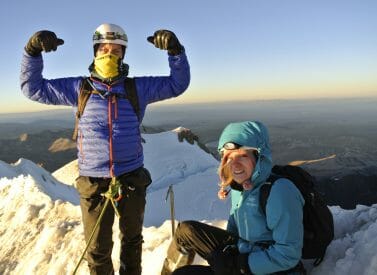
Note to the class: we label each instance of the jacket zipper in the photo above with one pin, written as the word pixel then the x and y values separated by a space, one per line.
pixel 110 135
pixel 115 101
pixel 111 99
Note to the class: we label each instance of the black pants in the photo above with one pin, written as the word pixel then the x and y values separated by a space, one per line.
pixel 203 239
pixel 131 208
pixel 194 270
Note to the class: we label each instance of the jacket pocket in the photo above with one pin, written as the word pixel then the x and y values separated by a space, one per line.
pixel 90 189
pixel 147 177
pixel 136 182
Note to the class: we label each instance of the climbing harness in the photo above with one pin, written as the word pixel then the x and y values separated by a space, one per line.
pixel 113 195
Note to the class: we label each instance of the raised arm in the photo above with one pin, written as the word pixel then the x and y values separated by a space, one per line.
pixel 61 91
pixel 164 87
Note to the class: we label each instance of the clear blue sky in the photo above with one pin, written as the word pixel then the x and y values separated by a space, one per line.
pixel 239 49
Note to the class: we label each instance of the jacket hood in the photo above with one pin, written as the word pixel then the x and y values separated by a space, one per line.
pixel 251 134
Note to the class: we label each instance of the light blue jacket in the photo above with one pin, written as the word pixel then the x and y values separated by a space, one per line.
pixel 282 223
pixel 109 141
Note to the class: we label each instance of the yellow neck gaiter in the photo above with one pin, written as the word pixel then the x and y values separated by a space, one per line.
pixel 107 65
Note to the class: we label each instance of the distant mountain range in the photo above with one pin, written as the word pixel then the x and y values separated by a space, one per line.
pixel 333 139
pixel 345 164
pixel 49 149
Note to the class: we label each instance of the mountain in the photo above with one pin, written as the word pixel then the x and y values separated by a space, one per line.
pixel 50 149
pixel 300 131
pixel 344 181
pixel 41 229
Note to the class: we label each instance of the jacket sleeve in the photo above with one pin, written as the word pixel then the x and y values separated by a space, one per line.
pixel 284 214
pixel 61 91
pixel 152 89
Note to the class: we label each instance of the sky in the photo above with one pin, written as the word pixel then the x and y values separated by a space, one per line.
pixel 41 229
pixel 238 50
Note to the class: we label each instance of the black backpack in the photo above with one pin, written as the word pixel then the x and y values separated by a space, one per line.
pixel 317 218
pixel 86 89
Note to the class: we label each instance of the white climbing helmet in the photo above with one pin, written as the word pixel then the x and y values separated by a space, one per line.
pixel 110 33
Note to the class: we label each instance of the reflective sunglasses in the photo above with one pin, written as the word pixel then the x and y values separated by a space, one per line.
pixel 236 146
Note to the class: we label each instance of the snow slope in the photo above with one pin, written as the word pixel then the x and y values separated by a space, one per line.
pixel 40 219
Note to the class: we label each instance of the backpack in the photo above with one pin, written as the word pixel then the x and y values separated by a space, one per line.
pixel 317 218
pixel 86 89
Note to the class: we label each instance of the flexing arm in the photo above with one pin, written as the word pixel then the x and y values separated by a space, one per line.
pixel 159 88
pixel 61 91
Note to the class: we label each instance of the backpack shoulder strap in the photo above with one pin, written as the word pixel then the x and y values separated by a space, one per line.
pixel 83 96
pixel 130 88
pixel 265 189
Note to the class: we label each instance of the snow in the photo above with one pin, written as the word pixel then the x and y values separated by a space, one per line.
pixel 40 219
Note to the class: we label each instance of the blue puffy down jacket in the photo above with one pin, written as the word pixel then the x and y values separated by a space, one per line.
pixel 109 140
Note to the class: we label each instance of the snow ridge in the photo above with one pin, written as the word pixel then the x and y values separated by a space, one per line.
pixel 40 219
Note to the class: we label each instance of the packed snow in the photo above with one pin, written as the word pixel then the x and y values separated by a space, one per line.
pixel 40 219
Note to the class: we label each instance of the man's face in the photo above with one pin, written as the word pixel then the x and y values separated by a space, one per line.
pixel 241 163
pixel 106 48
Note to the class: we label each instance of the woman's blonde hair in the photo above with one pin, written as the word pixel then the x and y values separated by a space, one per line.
pixel 225 173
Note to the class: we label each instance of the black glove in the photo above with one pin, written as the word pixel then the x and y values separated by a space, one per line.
pixel 43 41
pixel 187 135
pixel 229 261
pixel 166 40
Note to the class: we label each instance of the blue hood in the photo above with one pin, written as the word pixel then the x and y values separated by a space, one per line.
pixel 252 134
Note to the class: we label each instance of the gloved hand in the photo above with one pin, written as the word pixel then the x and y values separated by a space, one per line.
pixel 43 41
pixel 166 40
pixel 229 261
pixel 187 135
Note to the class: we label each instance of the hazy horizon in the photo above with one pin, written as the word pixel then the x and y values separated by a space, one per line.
pixel 174 102
pixel 245 49
pixel 337 116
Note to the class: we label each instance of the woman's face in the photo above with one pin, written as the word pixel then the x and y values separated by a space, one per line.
pixel 241 164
